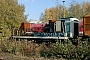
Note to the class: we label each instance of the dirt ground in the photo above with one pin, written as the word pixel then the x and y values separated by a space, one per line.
pixel 5 56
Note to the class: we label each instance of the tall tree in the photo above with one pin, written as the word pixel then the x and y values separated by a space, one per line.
pixel 86 7
pixel 77 10
pixel 42 17
pixel 50 14
pixel 62 11
pixel 11 14
pixel 54 13
pixel 72 9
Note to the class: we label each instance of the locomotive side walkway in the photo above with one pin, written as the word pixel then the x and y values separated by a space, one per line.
pixel 31 37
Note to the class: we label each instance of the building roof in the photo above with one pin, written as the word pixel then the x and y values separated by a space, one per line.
pixel 34 21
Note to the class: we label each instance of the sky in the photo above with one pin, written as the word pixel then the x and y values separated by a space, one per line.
pixel 33 8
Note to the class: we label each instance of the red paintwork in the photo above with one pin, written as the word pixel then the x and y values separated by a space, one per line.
pixel 80 27
pixel 37 27
pixel 25 25
pixel 29 27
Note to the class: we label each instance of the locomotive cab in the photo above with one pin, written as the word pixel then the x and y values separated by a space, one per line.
pixel 74 27
pixel 69 26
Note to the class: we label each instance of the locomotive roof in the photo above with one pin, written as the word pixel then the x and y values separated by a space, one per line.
pixel 69 19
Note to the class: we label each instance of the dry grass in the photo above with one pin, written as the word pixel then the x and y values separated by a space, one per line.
pixel 16 57
pixel 23 50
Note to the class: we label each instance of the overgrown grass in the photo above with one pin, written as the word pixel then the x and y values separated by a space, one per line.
pixel 58 50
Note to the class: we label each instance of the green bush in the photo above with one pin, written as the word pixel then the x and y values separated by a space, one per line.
pixel 70 51
pixel 10 47
pixel 46 54
pixel 63 50
pixel 83 50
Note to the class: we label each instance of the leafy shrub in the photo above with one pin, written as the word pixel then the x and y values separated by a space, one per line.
pixel 70 51
pixel 83 51
pixel 46 54
pixel 63 50
pixel 58 49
